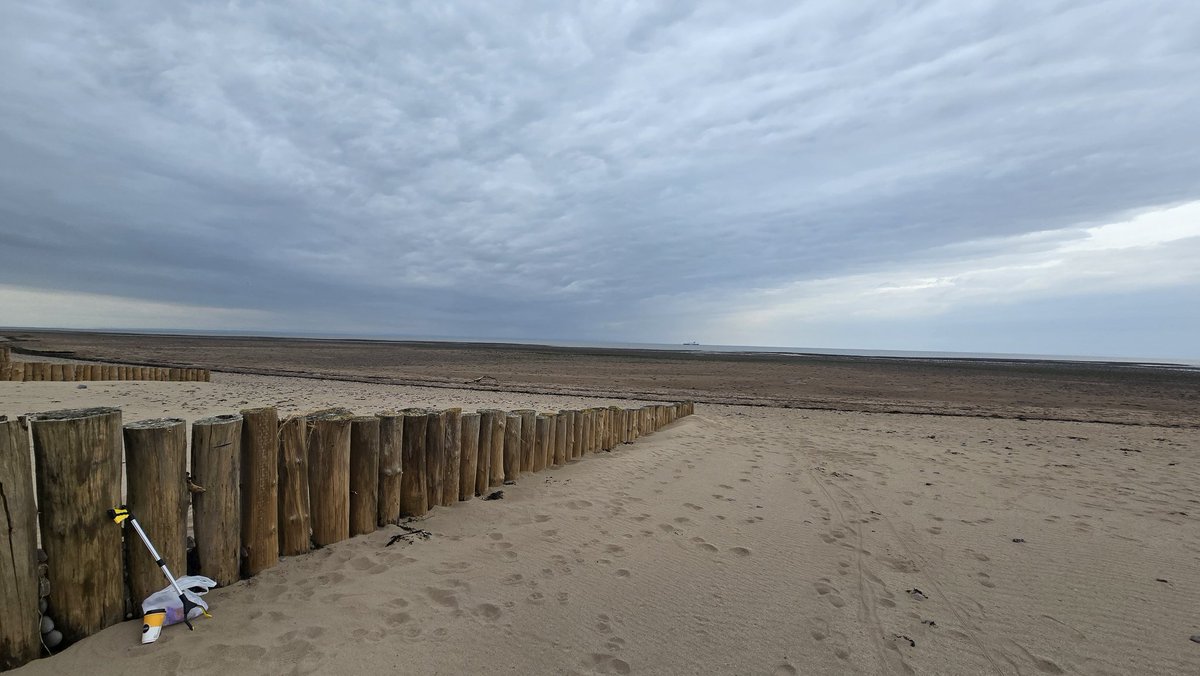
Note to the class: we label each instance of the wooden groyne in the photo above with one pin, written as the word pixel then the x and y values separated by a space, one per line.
pixel 260 487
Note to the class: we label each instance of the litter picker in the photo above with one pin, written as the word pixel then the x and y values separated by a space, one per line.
pixel 122 514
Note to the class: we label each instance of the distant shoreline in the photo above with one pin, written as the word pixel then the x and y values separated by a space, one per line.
pixel 653 348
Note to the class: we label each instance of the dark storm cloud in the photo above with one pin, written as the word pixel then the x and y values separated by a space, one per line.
pixel 541 169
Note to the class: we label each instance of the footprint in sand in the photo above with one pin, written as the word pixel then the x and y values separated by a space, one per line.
pixel 488 611
pixel 740 551
pixel 608 664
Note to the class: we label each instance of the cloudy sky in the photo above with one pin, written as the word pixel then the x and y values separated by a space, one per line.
pixel 960 175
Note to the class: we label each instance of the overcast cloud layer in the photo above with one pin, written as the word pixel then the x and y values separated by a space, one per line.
pixel 960 175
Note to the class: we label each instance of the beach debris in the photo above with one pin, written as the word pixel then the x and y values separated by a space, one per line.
pixel 1018 540
pixel 495 495
pixel 409 535
pixel 81 387
pixel 902 637
pixel 917 594
pixel 510 482
pixel 480 379
pixel 192 486
pixel 121 515
pixel 929 622
pixel 1195 638
pixel 1164 581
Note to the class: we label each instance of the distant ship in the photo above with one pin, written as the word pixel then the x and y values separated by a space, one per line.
pixel 692 343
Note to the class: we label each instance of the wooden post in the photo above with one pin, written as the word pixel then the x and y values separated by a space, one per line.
pixel 542 441
pixel 483 466
pixel 217 511
pixel 576 428
pixel 156 494
pixel 364 474
pixel 5 355
pixel 567 420
pixel 260 489
pixel 497 442
pixel 512 446
pixel 295 520
pixel 391 469
pixel 78 458
pixel 553 439
pixel 329 475
pixel 528 436
pixel 452 447
pixel 469 440
pixel 30 371
pixel 413 498
pixel 588 422
pixel 435 459
pixel 20 639
pixel 560 438
pixel 68 373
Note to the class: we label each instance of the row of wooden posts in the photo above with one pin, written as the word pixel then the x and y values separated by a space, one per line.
pixel 31 371
pixel 259 487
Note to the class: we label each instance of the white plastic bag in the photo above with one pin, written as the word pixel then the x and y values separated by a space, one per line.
pixel 194 586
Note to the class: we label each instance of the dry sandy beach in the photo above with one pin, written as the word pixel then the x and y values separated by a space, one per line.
pixel 741 540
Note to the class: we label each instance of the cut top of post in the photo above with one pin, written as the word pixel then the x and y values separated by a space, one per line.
pixel 74 413
pixel 153 423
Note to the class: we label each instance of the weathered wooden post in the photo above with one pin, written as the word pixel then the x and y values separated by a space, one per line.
pixel 68 373
pixel 542 442
pixel 217 511
pixel 364 474
pixel 577 431
pixel 5 355
pixel 560 439
pixel 528 436
pixel 78 458
pixel 435 459
pixel 589 423
pixel 329 475
pixel 452 447
pixel 295 520
pixel 553 439
pixel 483 465
pixel 413 496
pixel 567 420
pixel 20 639
pixel 391 467
pixel 156 493
pixel 496 473
pixel 615 426
pixel 512 446
pixel 260 489
pixel 469 452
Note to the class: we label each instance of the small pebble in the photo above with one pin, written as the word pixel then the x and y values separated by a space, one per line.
pixel 42 606
pixel 81 387
pixel 47 625
pixel 1018 539
pixel 1195 638
pixel 42 558
pixel 52 639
